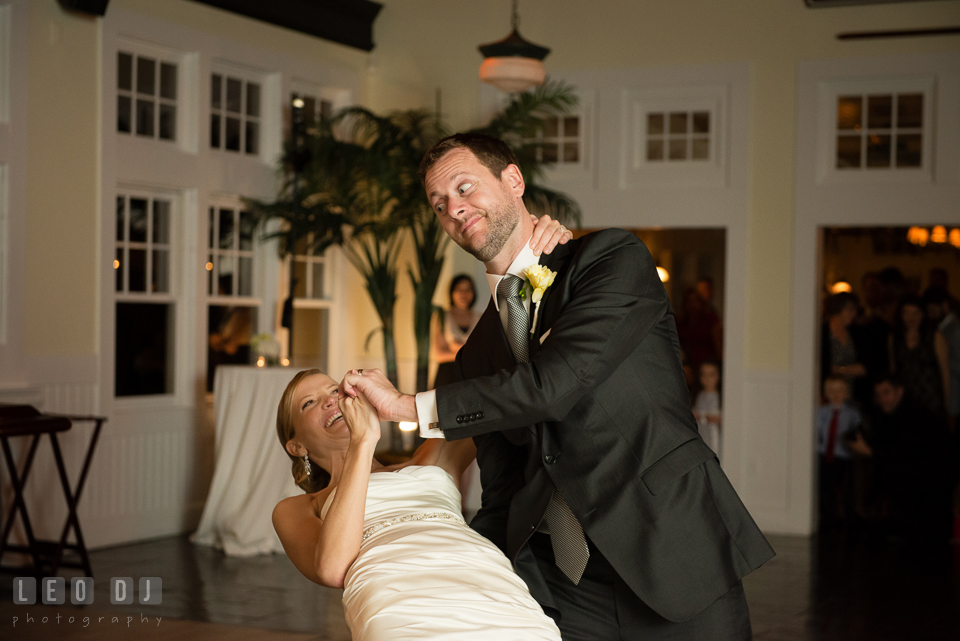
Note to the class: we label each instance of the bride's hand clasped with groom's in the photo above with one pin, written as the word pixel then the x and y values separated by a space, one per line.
pixel 361 418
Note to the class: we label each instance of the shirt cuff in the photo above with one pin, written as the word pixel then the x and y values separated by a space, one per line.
pixel 427 415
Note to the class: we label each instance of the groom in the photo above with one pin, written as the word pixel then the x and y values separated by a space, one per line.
pixel 595 482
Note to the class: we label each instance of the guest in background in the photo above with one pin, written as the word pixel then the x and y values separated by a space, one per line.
pixel 937 305
pixel 870 332
pixel 838 437
pixel 698 330
pixel 707 406
pixel 458 321
pixel 918 355
pixel 913 463
pixel 838 351
pixel 705 291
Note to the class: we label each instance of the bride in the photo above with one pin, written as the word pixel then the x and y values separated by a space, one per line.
pixel 392 536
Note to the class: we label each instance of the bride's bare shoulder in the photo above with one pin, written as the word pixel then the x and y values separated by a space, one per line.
pixel 302 503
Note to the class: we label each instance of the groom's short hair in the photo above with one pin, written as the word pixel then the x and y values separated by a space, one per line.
pixel 493 153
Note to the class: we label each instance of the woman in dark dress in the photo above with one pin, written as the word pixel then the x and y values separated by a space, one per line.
pixel 919 357
pixel 838 353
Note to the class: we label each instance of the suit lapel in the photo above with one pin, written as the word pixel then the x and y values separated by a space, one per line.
pixel 554 262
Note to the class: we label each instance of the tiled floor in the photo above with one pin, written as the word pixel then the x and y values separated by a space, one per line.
pixel 841 589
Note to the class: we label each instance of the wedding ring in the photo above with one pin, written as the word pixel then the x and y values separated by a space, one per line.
pixel 360 372
pixel 563 229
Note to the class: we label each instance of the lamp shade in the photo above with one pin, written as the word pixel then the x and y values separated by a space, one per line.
pixel 513 64
pixel 512 74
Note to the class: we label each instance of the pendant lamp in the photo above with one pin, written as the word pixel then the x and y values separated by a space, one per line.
pixel 513 64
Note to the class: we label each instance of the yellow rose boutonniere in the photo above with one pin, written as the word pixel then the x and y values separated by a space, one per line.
pixel 540 279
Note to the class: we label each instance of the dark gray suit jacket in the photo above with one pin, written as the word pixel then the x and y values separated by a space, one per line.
pixel 602 413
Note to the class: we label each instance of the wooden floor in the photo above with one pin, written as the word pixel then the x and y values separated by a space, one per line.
pixel 842 588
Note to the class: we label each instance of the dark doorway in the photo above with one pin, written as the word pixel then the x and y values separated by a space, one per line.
pixel 886 428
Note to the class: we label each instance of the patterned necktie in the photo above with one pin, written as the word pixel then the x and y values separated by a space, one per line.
pixel 517 324
pixel 569 543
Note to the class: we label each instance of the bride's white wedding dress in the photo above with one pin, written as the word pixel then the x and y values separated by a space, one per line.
pixel 422 573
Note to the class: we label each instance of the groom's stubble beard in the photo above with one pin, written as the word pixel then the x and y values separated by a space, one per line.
pixel 500 225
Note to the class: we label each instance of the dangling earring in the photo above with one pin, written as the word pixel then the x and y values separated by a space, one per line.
pixel 306 463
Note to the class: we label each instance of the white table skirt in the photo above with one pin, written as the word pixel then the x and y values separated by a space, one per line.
pixel 252 472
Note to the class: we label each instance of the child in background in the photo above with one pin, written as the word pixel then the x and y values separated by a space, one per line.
pixel 707 406
pixel 838 437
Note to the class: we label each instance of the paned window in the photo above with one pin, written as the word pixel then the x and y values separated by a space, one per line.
pixel 232 308
pixel 558 140
pixel 145 302
pixel 309 273
pixel 880 131
pixel 678 136
pixel 230 255
pixel 146 96
pixel 234 114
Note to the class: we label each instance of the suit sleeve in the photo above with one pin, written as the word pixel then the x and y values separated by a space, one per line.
pixel 614 298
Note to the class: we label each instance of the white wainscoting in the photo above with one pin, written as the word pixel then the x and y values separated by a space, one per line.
pixel 771 452
pixel 71 398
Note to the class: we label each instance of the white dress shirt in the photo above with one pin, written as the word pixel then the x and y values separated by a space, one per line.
pixel 427 401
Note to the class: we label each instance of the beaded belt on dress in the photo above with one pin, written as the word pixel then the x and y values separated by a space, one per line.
pixel 421 516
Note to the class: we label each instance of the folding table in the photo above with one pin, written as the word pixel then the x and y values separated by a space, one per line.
pixel 47 555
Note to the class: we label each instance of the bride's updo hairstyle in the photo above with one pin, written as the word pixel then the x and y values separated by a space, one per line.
pixel 318 478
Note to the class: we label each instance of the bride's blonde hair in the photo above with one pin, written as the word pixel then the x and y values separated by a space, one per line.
pixel 318 478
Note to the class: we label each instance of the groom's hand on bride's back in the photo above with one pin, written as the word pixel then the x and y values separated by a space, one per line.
pixel 391 405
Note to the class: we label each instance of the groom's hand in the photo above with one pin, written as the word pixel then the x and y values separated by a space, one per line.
pixel 391 405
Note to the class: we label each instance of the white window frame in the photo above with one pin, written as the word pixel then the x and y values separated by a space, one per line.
pixel 185 138
pixel 246 76
pixel 329 278
pixel 539 138
pixel 828 93
pixel 147 246
pixel 256 254
pixel 667 136
pixel 637 171
pixel 173 297
pixel 134 95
